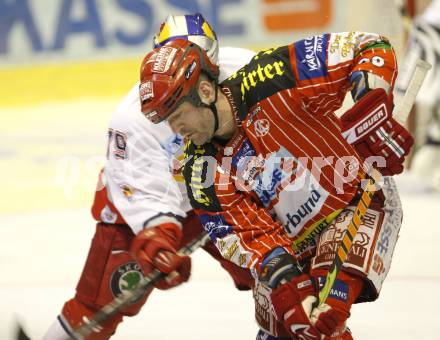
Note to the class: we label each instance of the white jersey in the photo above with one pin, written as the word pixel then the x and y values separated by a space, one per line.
pixel 432 13
pixel 137 185
pixel 424 43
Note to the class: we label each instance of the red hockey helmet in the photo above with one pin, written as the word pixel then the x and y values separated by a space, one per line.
pixel 169 76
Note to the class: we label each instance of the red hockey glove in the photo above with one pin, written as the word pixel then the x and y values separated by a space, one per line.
pixel 294 297
pixel 293 303
pixel 156 248
pixel 371 129
pixel 344 292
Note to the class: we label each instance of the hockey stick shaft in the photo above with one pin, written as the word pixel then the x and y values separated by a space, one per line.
pixel 401 114
pixel 405 105
pixel 124 299
pixel 349 235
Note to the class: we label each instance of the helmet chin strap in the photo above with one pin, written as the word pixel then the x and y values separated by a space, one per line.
pixel 213 109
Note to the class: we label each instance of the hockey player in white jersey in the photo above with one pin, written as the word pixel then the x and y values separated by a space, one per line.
pixel 424 43
pixel 143 213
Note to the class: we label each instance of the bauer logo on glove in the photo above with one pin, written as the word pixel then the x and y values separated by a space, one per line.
pixel 371 129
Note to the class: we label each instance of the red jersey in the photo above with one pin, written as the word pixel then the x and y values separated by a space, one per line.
pixel 288 171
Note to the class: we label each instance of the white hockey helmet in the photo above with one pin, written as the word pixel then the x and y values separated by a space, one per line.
pixel 192 27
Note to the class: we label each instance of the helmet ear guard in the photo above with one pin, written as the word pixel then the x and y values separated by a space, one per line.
pixel 170 75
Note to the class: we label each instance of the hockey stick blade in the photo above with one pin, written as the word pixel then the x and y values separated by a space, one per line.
pixel 400 114
pixel 21 335
pixel 124 299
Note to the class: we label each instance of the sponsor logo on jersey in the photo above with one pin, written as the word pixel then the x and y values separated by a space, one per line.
pixel 260 74
pixel 268 181
pixel 307 238
pixel 199 169
pixel 174 147
pixel 378 265
pixel 127 191
pixel 250 117
pixel 251 169
pixel 341 48
pixel 232 250
pixel 343 44
pixel 130 193
pixel 266 74
pixel 119 143
pixel 197 180
pixel 332 236
pixel 263 313
pixel 216 226
pixel 262 127
pixel 311 57
pixel 125 278
pixel 383 243
pixel 228 93
pixel 304 210
pixel 164 58
pixel 242 158
pixel 268 192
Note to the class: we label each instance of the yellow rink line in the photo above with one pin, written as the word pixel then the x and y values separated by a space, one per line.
pixel 27 85
pixel 40 83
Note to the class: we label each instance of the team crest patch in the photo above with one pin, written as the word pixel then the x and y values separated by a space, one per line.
pixel 262 127
pixel 125 278
pixel 107 215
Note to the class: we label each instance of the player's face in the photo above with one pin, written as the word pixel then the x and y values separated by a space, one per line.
pixel 195 123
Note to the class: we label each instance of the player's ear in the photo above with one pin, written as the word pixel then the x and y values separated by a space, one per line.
pixel 206 90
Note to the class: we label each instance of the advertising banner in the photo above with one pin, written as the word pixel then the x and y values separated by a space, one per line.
pixel 46 30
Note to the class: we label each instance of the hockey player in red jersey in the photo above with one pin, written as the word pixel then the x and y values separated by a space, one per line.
pixel 275 175
pixel 143 214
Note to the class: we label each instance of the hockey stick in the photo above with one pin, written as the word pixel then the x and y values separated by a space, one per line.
pixel 401 114
pixel 124 299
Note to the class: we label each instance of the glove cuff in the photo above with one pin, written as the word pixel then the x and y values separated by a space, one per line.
pixel 171 232
pixel 278 267
pixel 166 236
